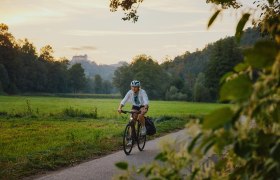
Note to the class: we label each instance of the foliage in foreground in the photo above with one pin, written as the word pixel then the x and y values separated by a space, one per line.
pixel 246 137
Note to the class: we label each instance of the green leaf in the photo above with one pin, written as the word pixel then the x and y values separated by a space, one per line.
pixel 122 165
pixel 212 19
pixel 208 146
pixel 274 151
pixel 140 170
pixel 243 148
pixel 225 76
pixel 241 24
pixel 240 67
pixel 156 178
pixel 194 173
pixel 276 113
pixel 205 142
pixel 217 118
pixel 262 55
pixel 221 164
pixel 161 157
pixel 193 143
pixel 237 89
pixel 149 172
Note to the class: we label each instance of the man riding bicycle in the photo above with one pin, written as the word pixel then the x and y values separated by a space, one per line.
pixel 140 102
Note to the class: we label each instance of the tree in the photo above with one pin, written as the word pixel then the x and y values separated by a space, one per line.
pixel 224 56
pixel 46 53
pixel 28 49
pixel 215 60
pixel 173 94
pixel 128 6
pixel 77 78
pixel 8 55
pixel 122 78
pixel 107 87
pixel 4 78
pixel 143 68
pixel 57 77
pixel 98 84
pixel 1 88
pixel 187 89
pixel 151 75
pixel 41 76
pixel 200 91
pixel 26 57
pixel 22 70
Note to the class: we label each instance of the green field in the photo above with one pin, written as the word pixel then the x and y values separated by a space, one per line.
pixel 35 134
pixel 106 107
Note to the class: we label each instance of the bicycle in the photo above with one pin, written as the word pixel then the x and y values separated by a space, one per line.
pixel 131 135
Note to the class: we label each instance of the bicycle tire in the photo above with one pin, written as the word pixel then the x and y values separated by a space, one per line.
pixel 141 140
pixel 127 149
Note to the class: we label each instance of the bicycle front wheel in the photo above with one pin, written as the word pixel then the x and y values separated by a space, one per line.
pixel 141 140
pixel 127 139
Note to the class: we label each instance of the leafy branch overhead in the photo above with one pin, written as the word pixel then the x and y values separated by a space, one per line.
pixel 128 6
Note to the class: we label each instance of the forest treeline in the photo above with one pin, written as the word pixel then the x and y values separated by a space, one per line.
pixel 190 77
pixel 23 70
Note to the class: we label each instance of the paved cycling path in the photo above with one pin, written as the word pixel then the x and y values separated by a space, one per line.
pixel 104 168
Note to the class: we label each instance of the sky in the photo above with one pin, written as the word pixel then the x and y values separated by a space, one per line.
pixel 165 29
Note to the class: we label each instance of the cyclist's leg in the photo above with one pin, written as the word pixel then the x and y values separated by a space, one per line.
pixel 133 122
pixel 133 131
pixel 141 117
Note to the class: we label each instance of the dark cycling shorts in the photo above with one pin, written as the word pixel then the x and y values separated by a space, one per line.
pixel 137 107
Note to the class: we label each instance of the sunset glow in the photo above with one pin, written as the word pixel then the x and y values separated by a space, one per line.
pixel 165 28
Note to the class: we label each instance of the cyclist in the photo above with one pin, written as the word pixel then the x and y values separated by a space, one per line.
pixel 140 102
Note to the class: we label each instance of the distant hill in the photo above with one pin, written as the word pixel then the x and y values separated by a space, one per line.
pixel 92 69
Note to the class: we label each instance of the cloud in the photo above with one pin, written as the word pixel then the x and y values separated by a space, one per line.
pixel 196 24
pixel 86 4
pixel 88 33
pixel 19 12
pixel 178 6
pixel 83 48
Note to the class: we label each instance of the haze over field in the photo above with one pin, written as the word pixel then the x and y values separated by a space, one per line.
pixel 88 27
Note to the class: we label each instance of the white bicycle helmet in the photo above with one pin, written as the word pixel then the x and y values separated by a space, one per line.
pixel 135 83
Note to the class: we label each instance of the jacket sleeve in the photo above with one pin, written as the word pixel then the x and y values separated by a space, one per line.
pixel 145 98
pixel 126 98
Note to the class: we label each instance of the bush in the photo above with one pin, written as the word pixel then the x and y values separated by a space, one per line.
pixel 72 112
pixel 3 113
pixel 174 94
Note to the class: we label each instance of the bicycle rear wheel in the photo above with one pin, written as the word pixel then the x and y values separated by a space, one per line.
pixel 141 139
pixel 127 138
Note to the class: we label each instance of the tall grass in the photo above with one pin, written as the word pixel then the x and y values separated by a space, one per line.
pixel 28 111
pixel 106 107
pixel 72 112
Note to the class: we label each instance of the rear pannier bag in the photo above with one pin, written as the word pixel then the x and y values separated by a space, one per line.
pixel 150 126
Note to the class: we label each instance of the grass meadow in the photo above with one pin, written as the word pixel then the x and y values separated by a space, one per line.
pixel 38 134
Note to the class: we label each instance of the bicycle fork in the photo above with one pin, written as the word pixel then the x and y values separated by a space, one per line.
pixel 133 134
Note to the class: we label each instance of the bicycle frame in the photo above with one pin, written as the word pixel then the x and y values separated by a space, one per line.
pixel 133 134
pixel 132 122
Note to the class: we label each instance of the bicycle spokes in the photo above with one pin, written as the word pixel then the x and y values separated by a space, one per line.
pixel 141 140
pixel 127 140
pixel 132 135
